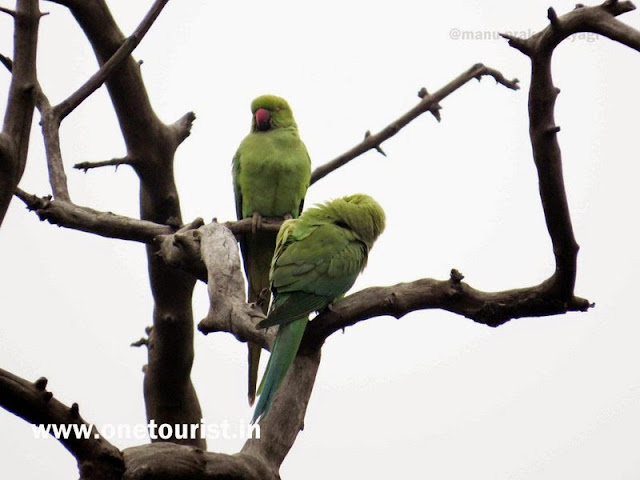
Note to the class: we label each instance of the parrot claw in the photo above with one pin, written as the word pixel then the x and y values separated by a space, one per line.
pixel 287 216
pixel 262 301
pixel 256 223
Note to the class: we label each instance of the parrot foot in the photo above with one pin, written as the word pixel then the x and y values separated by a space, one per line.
pixel 262 302
pixel 256 223
pixel 287 216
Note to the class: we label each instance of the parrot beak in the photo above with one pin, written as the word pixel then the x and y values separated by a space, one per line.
pixel 263 118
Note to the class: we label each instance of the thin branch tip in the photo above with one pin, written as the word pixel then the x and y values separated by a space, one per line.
pixel 553 17
pixel 519 43
pixel 455 276
pixel 8 11
pixel 41 384
pixel 182 127
pixel 143 342
pixel 378 148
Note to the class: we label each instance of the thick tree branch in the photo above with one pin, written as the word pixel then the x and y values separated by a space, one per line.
pixel 429 103
pixel 14 138
pixel 168 390
pixel 106 224
pixel 488 308
pixel 228 309
pixel 97 458
pixel 279 429
pixel 543 129
pixel 53 116
pixel 170 461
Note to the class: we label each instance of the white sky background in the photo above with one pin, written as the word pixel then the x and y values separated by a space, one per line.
pixel 433 395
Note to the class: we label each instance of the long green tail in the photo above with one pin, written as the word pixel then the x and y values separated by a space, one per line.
pixel 257 252
pixel 284 351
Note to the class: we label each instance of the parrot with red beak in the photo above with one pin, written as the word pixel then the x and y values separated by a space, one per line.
pixel 271 172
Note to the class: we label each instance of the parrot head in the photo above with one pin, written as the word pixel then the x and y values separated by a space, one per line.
pixel 359 213
pixel 271 112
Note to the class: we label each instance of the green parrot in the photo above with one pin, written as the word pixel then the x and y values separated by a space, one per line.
pixel 317 259
pixel 271 173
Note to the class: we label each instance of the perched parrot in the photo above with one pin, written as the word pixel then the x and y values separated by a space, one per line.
pixel 271 173
pixel 317 259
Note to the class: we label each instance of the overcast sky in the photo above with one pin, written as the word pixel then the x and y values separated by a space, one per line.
pixel 433 395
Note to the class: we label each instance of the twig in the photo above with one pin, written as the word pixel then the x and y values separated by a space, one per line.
pixel 429 103
pixel 114 162
pixel 8 11
pixel 7 62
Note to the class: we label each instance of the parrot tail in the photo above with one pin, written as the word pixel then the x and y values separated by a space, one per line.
pixel 253 357
pixel 284 351
pixel 257 251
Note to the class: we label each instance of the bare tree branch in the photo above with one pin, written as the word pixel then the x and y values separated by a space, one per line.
pixel 429 103
pixel 167 460
pixel 106 224
pixel 279 429
pixel 488 308
pixel 7 62
pixel 8 11
pixel 97 458
pixel 543 129
pixel 64 108
pixel 50 124
pixel 114 162
pixel 14 138
pixel 169 393
pixel 228 309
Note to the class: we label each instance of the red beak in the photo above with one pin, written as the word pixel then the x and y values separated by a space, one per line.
pixel 263 118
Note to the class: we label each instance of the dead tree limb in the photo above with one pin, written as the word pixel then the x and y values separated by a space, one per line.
pixel 16 129
pixel 169 393
pixel 97 458
pixel 429 103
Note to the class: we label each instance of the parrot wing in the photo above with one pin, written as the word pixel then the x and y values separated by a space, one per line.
pixel 313 265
